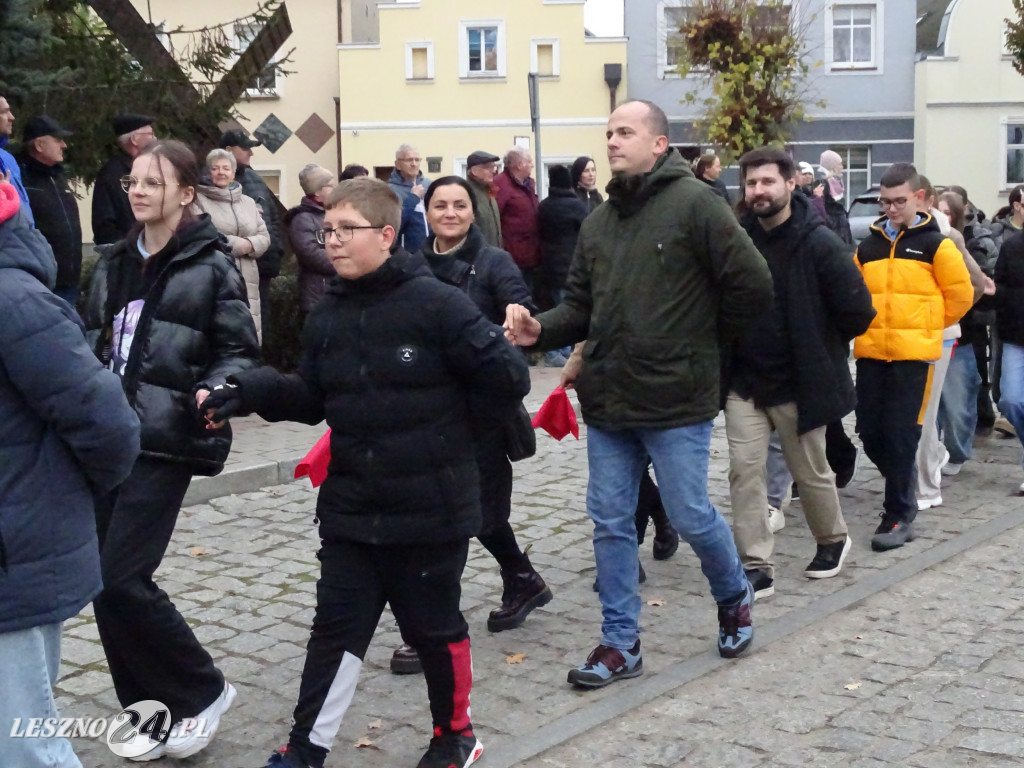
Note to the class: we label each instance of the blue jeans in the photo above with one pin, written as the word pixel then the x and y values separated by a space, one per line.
pixel 680 456
pixel 958 408
pixel 29 666
pixel 1011 387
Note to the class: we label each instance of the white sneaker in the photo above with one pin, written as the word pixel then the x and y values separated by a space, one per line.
pixel 923 504
pixel 1021 489
pixel 193 734
pixel 142 741
pixel 952 469
pixel 776 520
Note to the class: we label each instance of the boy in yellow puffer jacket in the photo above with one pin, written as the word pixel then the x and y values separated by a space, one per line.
pixel 919 285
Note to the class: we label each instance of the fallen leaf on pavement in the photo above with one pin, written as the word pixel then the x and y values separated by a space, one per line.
pixel 375 725
pixel 515 658
pixel 197 551
pixel 656 603
pixel 852 686
pixel 364 742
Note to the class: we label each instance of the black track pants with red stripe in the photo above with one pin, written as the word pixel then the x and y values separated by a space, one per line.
pixel 422 584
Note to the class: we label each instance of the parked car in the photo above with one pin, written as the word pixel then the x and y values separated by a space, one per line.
pixel 864 211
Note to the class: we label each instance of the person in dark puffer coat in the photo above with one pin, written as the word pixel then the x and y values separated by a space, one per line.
pixel 303 222
pixel 561 215
pixel 167 308
pixel 458 255
pixel 404 368
pixel 66 432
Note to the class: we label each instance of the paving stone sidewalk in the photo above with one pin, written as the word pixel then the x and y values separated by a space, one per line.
pixel 242 569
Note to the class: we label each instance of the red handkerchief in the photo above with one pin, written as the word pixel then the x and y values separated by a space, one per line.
pixel 557 416
pixel 315 462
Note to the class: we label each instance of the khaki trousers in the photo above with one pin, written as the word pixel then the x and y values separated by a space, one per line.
pixel 748 430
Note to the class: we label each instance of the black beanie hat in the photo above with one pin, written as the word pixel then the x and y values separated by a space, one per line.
pixel 559 177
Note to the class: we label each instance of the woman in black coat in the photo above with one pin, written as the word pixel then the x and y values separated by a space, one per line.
pixel 459 255
pixel 166 308
pixel 584 181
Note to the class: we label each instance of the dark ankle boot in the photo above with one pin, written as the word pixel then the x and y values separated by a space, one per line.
pixel 405 661
pixel 666 540
pixel 523 592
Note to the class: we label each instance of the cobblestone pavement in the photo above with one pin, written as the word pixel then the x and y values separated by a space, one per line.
pixel 924 636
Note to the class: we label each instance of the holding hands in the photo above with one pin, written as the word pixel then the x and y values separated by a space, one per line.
pixel 520 327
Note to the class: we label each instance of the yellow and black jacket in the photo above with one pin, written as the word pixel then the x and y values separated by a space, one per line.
pixel 919 285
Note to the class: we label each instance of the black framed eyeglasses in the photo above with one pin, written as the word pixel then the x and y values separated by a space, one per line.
pixel 343 233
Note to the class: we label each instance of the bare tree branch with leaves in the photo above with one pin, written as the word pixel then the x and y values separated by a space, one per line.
pixel 750 52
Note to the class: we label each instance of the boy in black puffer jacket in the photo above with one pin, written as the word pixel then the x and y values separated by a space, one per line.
pixel 400 365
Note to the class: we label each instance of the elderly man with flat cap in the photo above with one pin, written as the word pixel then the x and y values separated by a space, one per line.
pixel 112 215
pixel 53 203
pixel 240 145
pixel 480 170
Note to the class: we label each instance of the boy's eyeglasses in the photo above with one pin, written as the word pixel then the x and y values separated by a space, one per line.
pixel 342 234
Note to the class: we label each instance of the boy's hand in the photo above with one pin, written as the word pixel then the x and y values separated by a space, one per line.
pixel 219 405
pixel 572 367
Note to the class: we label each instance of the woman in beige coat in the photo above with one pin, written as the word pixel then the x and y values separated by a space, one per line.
pixel 238 218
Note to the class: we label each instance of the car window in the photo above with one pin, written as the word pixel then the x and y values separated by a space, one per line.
pixel 865 208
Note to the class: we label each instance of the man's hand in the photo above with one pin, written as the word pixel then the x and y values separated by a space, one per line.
pixel 572 367
pixel 219 405
pixel 5 177
pixel 990 287
pixel 520 327
pixel 419 191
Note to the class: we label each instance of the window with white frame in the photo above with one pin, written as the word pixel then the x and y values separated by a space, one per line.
pixel 544 56
pixel 266 82
pixel 482 48
pixel 419 61
pixel 1014 153
pixel 672 15
pixel 856 170
pixel 852 35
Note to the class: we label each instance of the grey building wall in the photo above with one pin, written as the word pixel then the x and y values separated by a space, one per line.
pixel 870 112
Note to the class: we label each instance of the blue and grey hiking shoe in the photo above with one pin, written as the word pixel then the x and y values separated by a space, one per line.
pixel 735 627
pixel 606 665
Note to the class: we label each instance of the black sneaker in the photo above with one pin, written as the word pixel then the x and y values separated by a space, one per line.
pixel 286 757
pixel 828 560
pixel 893 533
pixel 452 750
pixel 763 584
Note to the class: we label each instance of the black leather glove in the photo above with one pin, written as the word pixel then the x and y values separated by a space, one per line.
pixel 225 401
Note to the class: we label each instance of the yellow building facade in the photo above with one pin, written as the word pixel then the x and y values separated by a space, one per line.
pixel 969 106
pixel 451 77
pixel 298 110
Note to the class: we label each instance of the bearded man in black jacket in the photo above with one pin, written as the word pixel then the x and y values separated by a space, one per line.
pixel 788 372
pixel 400 365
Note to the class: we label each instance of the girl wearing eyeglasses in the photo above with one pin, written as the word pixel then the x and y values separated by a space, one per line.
pixel 166 308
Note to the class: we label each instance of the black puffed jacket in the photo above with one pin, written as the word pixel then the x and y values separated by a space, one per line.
pixel 401 366
pixel 194 331
pixel 1009 278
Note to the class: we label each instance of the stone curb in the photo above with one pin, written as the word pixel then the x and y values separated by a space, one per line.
pixel 508 753
pixel 241 480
